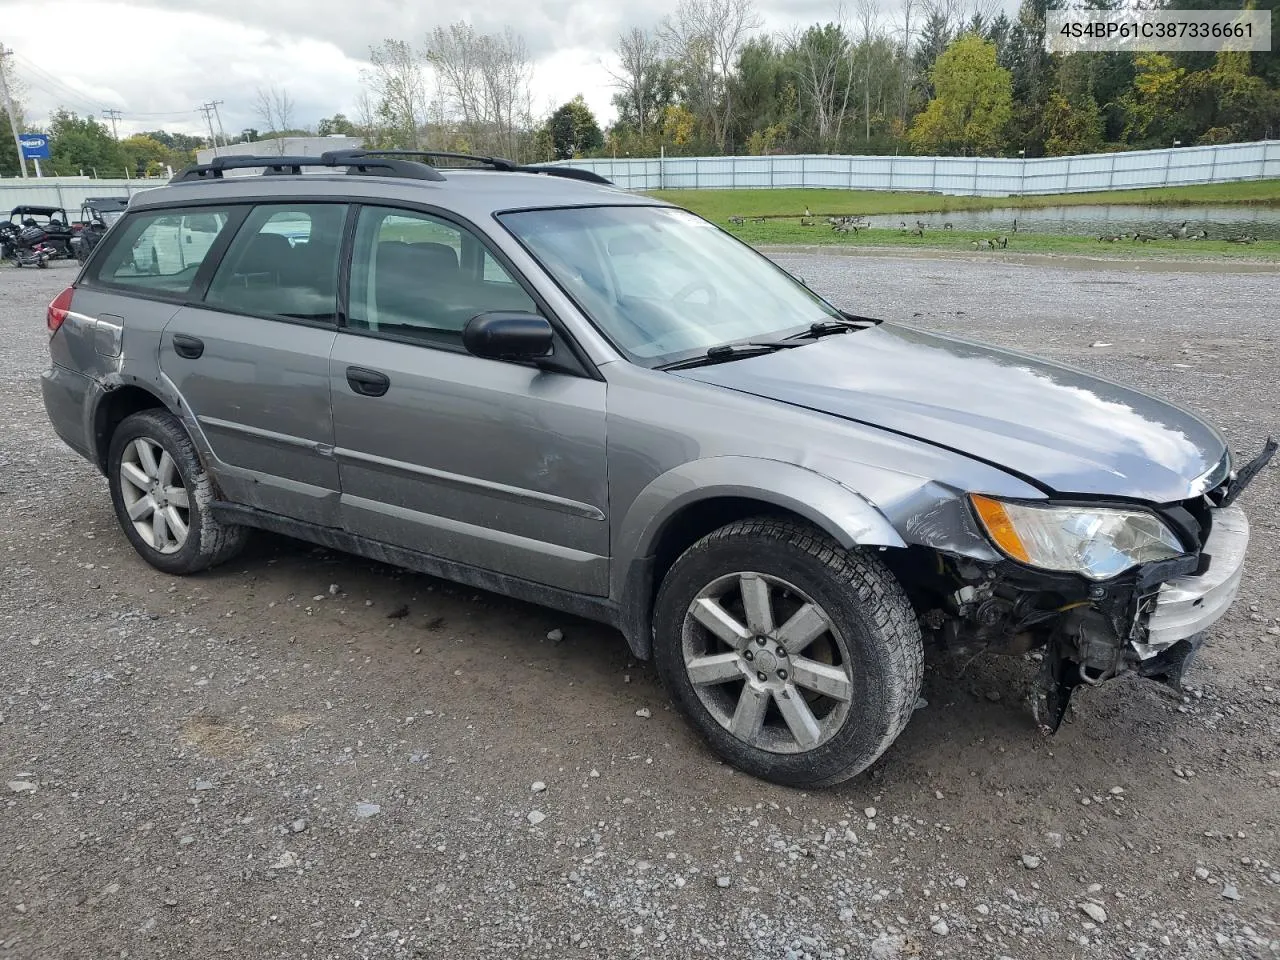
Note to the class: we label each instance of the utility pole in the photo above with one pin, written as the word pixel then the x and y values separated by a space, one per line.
pixel 207 110
pixel 113 115
pixel 222 133
pixel 13 115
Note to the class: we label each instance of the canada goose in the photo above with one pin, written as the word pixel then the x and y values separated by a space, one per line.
pixel 1144 237
pixel 1201 235
pixel 1181 232
pixel 807 213
pixel 1108 238
pixel 981 244
pixel 737 221
pixel 1015 225
pixel 903 225
pixel 757 219
pixel 947 225
pixel 1130 235
pixel 845 228
pixel 918 231
pixel 920 225
pixel 1001 242
pixel 1245 239
pixel 806 222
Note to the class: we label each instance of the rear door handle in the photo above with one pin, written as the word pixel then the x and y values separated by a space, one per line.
pixel 189 348
pixel 368 383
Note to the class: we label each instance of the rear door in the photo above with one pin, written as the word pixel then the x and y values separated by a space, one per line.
pixel 252 360
pixel 496 465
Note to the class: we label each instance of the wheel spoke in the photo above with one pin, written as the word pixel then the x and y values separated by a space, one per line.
pixel 755 600
pixel 806 625
pixel 133 473
pixel 176 524
pixel 748 718
pixel 177 496
pixel 159 530
pixel 166 470
pixel 714 668
pixel 141 508
pixel 822 678
pixel 800 719
pixel 147 458
pixel 715 618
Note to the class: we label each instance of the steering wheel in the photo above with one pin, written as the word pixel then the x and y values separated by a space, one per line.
pixel 692 287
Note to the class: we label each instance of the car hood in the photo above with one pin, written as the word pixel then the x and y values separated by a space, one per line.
pixel 1066 431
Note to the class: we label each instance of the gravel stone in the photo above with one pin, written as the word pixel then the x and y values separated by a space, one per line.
pixel 1031 861
pixel 535 817
pixel 1093 911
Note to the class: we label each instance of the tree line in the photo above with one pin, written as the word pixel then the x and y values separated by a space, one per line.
pixel 949 77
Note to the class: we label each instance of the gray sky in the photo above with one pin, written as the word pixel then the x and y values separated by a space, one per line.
pixel 155 60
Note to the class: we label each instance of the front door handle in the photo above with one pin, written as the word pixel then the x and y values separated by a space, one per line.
pixel 368 383
pixel 189 348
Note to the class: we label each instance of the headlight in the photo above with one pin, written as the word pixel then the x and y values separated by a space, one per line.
pixel 1098 542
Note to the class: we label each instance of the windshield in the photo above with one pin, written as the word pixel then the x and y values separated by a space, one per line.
pixel 661 283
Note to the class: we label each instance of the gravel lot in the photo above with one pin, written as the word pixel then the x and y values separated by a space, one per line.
pixel 260 762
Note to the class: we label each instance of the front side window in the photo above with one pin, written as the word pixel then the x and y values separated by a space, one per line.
pixel 283 262
pixel 161 251
pixel 418 276
pixel 661 283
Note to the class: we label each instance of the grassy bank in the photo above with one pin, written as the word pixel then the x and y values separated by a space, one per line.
pixel 720 205
pixel 790 232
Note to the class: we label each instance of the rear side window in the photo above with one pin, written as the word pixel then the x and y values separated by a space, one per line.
pixel 283 262
pixel 160 251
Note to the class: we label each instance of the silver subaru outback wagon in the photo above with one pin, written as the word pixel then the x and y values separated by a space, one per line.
pixel 527 381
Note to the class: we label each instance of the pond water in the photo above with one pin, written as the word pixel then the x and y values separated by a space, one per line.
pixel 1262 223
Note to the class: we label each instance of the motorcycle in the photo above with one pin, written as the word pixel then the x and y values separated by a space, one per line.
pixel 26 246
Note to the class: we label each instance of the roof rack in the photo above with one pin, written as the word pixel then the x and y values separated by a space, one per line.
pixel 292 166
pixel 495 163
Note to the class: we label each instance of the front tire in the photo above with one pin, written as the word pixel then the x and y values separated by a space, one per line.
pixel 798 661
pixel 161 494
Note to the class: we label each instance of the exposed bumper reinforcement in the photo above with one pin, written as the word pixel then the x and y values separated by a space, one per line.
pixel 1189 605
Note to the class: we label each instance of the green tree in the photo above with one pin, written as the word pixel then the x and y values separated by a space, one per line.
pixel 338 123
pixel 146 156
pixel 1072 129
pixel 972 105
pixel 1155 107
pixel 77 144
pixel 573 130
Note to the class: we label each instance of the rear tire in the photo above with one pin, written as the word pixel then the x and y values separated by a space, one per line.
pixel 162 496
pixel 798 661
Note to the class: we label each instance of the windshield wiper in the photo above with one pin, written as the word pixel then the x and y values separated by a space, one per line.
pixel 729 351
pixel 824 328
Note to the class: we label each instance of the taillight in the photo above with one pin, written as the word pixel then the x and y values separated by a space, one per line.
pixel 59 309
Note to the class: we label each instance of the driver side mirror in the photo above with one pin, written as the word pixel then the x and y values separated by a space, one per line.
pixel 504 335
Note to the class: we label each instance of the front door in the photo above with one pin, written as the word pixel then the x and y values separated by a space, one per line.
pixel 497 465
pixel 252 361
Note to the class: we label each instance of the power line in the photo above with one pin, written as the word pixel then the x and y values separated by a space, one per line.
pixel 113 115
pixel 13 116
pixel 207 109
pixel 216 104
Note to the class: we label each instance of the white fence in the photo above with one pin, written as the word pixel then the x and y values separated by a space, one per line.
pixel 970 176
pixel 65 192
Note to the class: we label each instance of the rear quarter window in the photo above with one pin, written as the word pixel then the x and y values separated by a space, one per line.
pixel 160 251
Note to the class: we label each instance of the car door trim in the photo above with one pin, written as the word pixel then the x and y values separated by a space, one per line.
pixel 324 449
pixel 547 501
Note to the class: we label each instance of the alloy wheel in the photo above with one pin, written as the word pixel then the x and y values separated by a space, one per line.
pixel 154 495
pixel 767 663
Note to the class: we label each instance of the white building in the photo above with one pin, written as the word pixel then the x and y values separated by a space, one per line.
pixel 282 147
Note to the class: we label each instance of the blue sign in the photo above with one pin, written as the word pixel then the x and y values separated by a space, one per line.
pixel 35 146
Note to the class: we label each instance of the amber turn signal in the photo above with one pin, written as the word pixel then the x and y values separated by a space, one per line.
pixel 999 526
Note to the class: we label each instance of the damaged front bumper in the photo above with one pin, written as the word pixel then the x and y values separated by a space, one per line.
pixel 1166 623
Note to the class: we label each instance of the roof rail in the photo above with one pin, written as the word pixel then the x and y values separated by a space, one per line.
pixel 292 166
pixel 495 163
